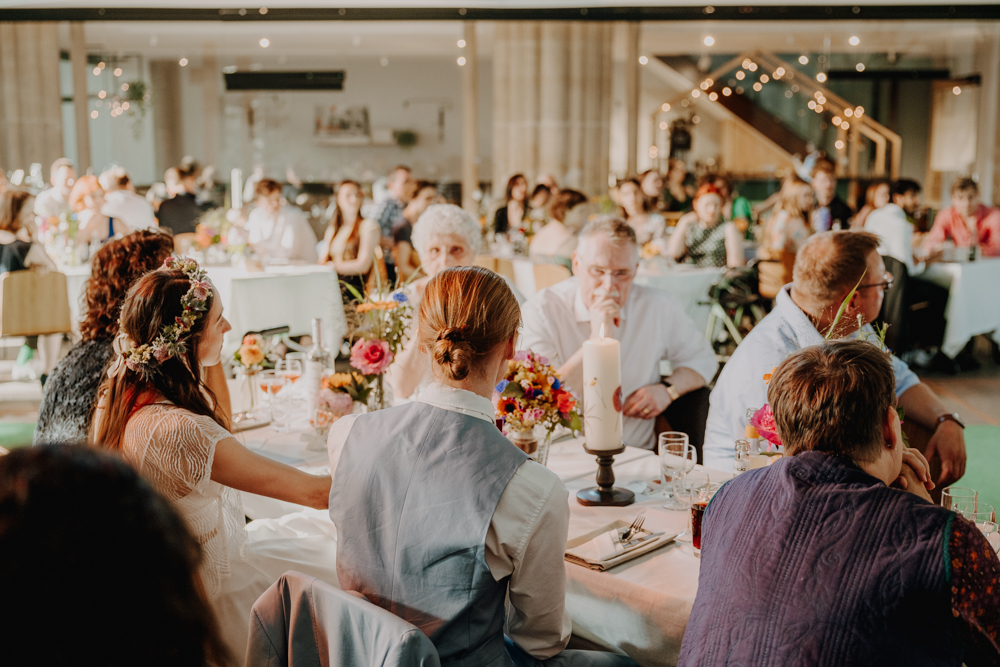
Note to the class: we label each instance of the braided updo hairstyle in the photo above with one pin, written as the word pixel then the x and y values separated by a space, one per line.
pixel 465 313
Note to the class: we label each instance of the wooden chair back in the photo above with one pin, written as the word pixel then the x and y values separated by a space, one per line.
pixel 34 303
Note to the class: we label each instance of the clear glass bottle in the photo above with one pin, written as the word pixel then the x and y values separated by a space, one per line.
pixel 316 361
pixel 742 462
pixel 750 433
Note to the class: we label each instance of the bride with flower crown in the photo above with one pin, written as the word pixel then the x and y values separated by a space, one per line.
pixel 155 409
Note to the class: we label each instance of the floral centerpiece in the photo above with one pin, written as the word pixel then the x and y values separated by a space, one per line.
pixel 213 227
pixel 530 395
pixel 379 331
pixel 341 394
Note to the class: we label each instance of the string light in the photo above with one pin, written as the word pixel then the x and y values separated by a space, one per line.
pixel 839 145
pixel 858 112
pixel 854 40
pixel 812 104
pixel 727 91
pixel 780 72
pixel 94 114
pixel 740 75
pixel 819 108
pixel 709 40
pixel 666 106
pixel 695 93
pixel 643 60
pixel 663 125
pixel 264 42
pixel 836 120
pixel 695 119
pixel 461 61
pixel 957 90
pixel 118 71
pixel 704 85
pixel 848 112
pixel 713 96
pixel 764 78
pixel 97 71
pixel 124 87
pixel 803 60
pixel 653 151
pixel 102 94
pixel 183 62
pixel 753 67
pixel 757 86
pixel 821 77
pixel 845 126
pixel 860 67
pixel 461 43
pixel 789 94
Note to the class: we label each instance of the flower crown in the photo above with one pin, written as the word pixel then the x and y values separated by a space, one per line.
pixel 168 344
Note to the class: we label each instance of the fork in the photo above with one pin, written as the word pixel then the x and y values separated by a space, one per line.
pixel 633 529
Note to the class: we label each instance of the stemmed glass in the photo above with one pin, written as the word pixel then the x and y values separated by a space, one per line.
pixel 959 499
pixel 694 487
pixel 677 458
pixel 271 382
pixel 289 368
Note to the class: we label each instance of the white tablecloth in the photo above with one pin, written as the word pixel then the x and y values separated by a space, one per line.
pixel 640 607
pixel 281 295
pixel 689 285
pixel 973 302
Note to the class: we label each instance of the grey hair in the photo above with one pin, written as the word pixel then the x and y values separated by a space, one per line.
pixel 612 227
pixel 441 219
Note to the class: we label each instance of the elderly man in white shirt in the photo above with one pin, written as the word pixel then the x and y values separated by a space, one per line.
pixel 279 231
pixel 650 324
pixel 828 267
pixel 122 202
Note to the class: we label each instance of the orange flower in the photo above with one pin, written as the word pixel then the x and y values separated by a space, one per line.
pixel 337 381
pixel 768 376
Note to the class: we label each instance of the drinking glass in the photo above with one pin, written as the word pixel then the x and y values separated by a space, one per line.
pixel 742 463
pixel 677 457
pixel 697 514
pixel 959 499
pixel 270 383
pixel 288 408
pixel 690 489
pixel 289 368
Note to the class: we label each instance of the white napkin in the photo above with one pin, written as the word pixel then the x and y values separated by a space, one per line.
pixel 601 549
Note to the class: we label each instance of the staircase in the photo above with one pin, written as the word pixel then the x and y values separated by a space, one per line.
pixel 787 110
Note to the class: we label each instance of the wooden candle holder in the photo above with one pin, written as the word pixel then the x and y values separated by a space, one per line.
pixel 605 493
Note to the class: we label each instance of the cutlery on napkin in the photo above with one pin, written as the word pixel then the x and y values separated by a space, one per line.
pixel 602 549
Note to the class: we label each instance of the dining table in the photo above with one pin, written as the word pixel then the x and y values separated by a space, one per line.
pixel 973 307
pixel 639 607
pixel 279 295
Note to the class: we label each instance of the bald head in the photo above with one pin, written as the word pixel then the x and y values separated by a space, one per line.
pixel 831 263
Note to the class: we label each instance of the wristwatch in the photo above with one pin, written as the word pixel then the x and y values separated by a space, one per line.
pixel 949 417
pixel 671 390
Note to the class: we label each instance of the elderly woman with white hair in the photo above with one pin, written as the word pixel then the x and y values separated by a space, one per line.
pixel 444 236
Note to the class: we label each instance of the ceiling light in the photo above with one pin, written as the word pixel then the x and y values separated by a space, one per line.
pixel 183 62
pixel 461 61
pixel 461 43
pixel 663 125
pixel 839 145
pixel 643 60
pixel 854 40
pixel 94 114
pixel 860 67
pixel 263 10
pixel 118 71
pixel 101 65
pixel 803 60
pixel 124 87
pixel 97 71
pixel 653 151
pixel 727 91
pixel 695 119
pixel 709 40
pixel 264 42
pixel 102 94
pixel 957 90
pixel 821 77
pixel 666 106
pixel 713 96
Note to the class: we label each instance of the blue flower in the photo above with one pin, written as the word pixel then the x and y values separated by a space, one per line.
pixel 502 385
pixel 399 297
pixel 556 384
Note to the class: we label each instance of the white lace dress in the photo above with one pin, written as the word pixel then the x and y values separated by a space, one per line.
pixel 174 448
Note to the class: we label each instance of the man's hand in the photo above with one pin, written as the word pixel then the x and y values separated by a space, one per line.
pixel 646 402
pixel 604 311
pixel 910 482
pixel 948 442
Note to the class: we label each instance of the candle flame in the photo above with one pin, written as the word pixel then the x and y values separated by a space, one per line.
pixel 602 331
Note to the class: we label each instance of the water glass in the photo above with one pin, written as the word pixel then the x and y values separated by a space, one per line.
pixel 286 409
pixel 677 457
pixel 692 488
pixel 959 499
pixel 289 368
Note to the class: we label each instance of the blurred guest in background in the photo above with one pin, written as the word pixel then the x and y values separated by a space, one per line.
pixel 780 543
pixel 831 212
pixel 649 226
pixel 121 201
pixel 389 214
pixel 967 222
pixel 54 201
pixel 651 183
pixel 877 195
pixel 422 194
pixel 703 238
pixel 602 299
pixel 96 226
pixel 678 193
pixel 549 181
pixel 893 225
pixel 181 211
pixel 788 228
pixel 515 206
pixel 351 242
pixel 538 204
pixel 278 231
pixel 735 209
pixel 81 525
pixel 18 252
pixel 555 242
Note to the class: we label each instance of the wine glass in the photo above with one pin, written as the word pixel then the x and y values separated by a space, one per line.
pixel 677 458
pixel 271 382
pixel 289 368
pixel 959 499
pixel 690 488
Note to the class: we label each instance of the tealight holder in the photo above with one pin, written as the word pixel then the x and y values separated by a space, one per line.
pixel 605 493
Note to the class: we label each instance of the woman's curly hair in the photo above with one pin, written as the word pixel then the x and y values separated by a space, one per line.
pixel 116 267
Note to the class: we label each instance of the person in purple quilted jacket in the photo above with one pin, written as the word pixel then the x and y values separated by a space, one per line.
pixel 835 555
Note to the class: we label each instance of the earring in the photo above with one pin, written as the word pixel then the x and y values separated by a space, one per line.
pixel 889 444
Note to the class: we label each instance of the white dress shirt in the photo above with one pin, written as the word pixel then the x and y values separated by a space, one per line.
pixel 741 384
pixel 287 236
pixel 895 234
pixel 51 204
pixel 130 208
pixel 654 328
pixel 526 539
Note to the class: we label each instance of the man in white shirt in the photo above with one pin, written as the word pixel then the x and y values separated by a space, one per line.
pixel 53 202
pixel 650 324
pixel 892 226
pixel 279 231
pixel 121 201
pixel 827 268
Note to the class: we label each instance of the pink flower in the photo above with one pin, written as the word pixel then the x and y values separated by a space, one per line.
pixel 763 421
pixel 161 353
pixel 337 402
pixel 201 291
pixel 371 357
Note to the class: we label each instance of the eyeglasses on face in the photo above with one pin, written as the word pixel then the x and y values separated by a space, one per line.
pixel 886 284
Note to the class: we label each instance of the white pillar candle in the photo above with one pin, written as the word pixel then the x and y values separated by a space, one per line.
pixel 236 187
pixel 602 402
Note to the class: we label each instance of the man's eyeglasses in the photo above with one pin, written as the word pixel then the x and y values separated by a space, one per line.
pixel 886 283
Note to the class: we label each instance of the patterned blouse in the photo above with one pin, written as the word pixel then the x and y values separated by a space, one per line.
pixel 706 246
pixel 974 575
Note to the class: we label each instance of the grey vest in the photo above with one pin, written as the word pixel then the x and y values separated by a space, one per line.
pixel 412 498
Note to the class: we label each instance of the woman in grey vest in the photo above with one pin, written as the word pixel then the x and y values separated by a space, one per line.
pixel 439 517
